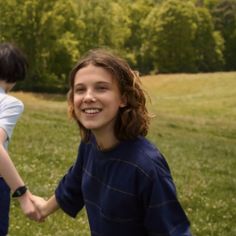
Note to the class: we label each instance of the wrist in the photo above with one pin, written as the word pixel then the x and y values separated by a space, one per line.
pixel 20 191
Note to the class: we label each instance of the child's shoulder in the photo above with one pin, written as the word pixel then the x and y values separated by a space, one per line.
pixel 143 148
pixel 147 157
pixel 9 101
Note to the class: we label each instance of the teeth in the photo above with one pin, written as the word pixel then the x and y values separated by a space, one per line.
pixel 91 110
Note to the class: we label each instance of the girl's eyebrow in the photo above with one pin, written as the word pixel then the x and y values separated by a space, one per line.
pixel 78 84
pixel 103 82
pixel 96 83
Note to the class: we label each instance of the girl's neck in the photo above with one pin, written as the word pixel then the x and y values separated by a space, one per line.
pixel 106 141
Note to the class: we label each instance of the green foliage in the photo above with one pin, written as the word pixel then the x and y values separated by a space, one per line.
pixel 209 4
pixel 194 127
pixel 225 20
pixel 103 24
pixel 172 29
pixel 137 12
pixel 208 43
pixel 44 30
pixel 153 35
pixel 181 38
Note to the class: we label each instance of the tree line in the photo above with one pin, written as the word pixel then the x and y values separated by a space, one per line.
pixel 155 36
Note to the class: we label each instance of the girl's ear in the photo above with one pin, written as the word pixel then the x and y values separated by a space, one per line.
pixel 123 101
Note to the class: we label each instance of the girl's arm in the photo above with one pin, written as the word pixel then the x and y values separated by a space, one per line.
pixel 10 174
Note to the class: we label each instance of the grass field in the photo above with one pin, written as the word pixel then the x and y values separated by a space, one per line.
pixel 194 126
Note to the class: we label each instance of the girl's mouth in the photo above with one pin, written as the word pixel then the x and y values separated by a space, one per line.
pixel 91 110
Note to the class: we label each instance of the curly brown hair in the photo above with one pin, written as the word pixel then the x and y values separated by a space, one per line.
pixel 133 119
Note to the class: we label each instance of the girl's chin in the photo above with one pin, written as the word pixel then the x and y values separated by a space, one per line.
pixel 91 127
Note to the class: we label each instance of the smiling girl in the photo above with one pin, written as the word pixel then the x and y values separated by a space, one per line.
pixel 122 179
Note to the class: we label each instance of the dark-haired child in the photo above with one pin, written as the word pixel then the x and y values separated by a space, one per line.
pixel 13 66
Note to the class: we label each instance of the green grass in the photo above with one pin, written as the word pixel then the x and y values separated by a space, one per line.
pixel 194 126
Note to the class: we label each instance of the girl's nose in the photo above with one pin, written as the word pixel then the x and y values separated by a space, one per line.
pixel 89 97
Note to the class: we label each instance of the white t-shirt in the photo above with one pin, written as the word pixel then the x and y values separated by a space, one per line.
pixel 10 110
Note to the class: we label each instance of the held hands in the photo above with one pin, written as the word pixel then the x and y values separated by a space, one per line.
pixel 28 208
pixel 39 204
pixel 36 208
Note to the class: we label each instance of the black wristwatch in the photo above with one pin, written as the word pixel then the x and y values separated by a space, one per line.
pixel 19 191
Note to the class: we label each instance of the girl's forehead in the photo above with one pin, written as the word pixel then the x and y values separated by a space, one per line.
pixel 94 73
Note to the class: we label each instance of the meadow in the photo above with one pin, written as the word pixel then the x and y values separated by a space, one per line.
pixel 194 127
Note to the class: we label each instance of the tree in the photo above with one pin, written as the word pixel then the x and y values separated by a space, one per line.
pixel 153 35
pixel 44 30
pixel 208 43
pixel 170 32
pixel 224 15
pixel 137 12
pixel 105 24
pixel 181 38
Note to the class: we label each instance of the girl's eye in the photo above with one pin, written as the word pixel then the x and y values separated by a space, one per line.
pixel 101 88
pixel 79 90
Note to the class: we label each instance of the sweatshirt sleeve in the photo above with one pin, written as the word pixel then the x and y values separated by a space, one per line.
pixel 68 193
pixel 163 212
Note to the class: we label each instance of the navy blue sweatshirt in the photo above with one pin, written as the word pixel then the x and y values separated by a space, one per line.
pixel 127 191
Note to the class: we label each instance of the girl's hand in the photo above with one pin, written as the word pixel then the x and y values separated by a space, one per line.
pixel 28 207
pixel 39 203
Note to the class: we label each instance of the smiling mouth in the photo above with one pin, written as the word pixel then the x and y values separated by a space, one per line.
pixel 91 110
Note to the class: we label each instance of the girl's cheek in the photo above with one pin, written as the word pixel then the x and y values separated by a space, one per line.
pixel 77 100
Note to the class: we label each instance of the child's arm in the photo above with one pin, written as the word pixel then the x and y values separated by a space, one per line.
pixel 11 176
pixel 44 207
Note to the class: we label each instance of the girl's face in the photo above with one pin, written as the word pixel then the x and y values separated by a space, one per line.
pixel 97 99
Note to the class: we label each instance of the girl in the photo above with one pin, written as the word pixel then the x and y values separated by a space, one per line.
pixel 119 176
